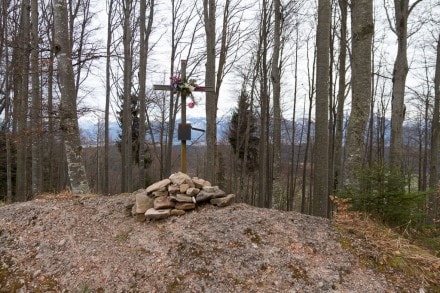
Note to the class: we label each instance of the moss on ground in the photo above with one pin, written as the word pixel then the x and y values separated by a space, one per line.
pixel 253 236
pixel 13 280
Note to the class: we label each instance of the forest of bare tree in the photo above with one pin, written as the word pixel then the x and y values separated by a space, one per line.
pixel 321 98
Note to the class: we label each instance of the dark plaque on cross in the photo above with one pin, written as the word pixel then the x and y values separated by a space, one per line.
pixel 180 85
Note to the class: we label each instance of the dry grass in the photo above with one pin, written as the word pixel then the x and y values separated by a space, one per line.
pixel 386 249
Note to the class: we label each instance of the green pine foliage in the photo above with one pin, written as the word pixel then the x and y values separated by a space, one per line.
pixel 381 192
pixel 243 133
pixel 134 126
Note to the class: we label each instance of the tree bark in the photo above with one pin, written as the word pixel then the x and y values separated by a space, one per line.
pixel 362 32
pixel 320 174
pixel 51 119
pixel 276 77
pixel 68 108
pixel 338 174
pixel 293 166
pixel 145 31
pixel 311 80
pixel 265 172
pixel 305 161
pixel 107 99
pixel 7 122
pixel 435 134
pixel 20 64
pixel 126 143
pixel 36 104
pixel 433 200
pixel 400 71
pixel 209 9
pixel 173 101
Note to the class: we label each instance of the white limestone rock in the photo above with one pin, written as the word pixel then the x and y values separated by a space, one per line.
pixel 184 187
pixel 160 193
pixel 198 182
pixel 192 191
pixel 184 198
pixel 153 214
pixel 173 189
pixel 210 189
pixel 180 178
pixel 158 185
pixel 163 202
pixel 185 206
pixel 223 201
pixel 143 203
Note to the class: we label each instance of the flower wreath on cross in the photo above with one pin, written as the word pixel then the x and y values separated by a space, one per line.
pixel 183 86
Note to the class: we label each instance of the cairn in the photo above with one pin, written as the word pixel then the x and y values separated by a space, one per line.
pixel 177 195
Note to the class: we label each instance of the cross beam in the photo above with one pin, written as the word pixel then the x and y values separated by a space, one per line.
pixel 183 164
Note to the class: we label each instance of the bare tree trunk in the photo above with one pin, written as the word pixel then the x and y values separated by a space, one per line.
pixel 68 108
pixel 265 180
pixel 173 102
pixel 21 93
pixel 425 146
pixel 51 120
pixel 420 154
pixel 331 107
pixel 126 143
pixel 209 8
pixel 433 200
pixel 7 122
pixel 400 71
pixel 248 125
pixel 276 77
pixel 143 47
pixel 227 40
pixel 370 134
pixel 338 176
pixel 293 170
pixel 224 48
pixel 320 177
pixel 435 128
pixel 8 148
pixel 145 32
pixel 48 144
pixel 36 104
pixel 107 99
pixel 311 79
pixel 362 32
pixel 305 162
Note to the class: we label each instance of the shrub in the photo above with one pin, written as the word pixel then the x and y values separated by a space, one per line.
pixel 381 193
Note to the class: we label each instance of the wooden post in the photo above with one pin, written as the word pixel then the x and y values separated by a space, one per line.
pixel 183 118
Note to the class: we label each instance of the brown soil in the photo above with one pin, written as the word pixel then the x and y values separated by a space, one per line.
pixel 93 244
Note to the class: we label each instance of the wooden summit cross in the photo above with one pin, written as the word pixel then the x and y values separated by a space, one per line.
pixel 184 129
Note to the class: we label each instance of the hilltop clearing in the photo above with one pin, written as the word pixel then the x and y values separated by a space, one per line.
pixel 93 244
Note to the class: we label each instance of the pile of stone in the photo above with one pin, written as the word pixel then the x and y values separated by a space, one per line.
pixel 176 195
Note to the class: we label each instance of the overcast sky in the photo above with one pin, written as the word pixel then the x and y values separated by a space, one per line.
pixel 385 54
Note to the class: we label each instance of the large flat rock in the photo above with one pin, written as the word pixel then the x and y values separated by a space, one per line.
pixel 158 185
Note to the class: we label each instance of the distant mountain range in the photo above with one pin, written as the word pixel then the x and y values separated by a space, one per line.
pixel 89 129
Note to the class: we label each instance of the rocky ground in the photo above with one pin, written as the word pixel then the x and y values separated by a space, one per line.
pixel 94 244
